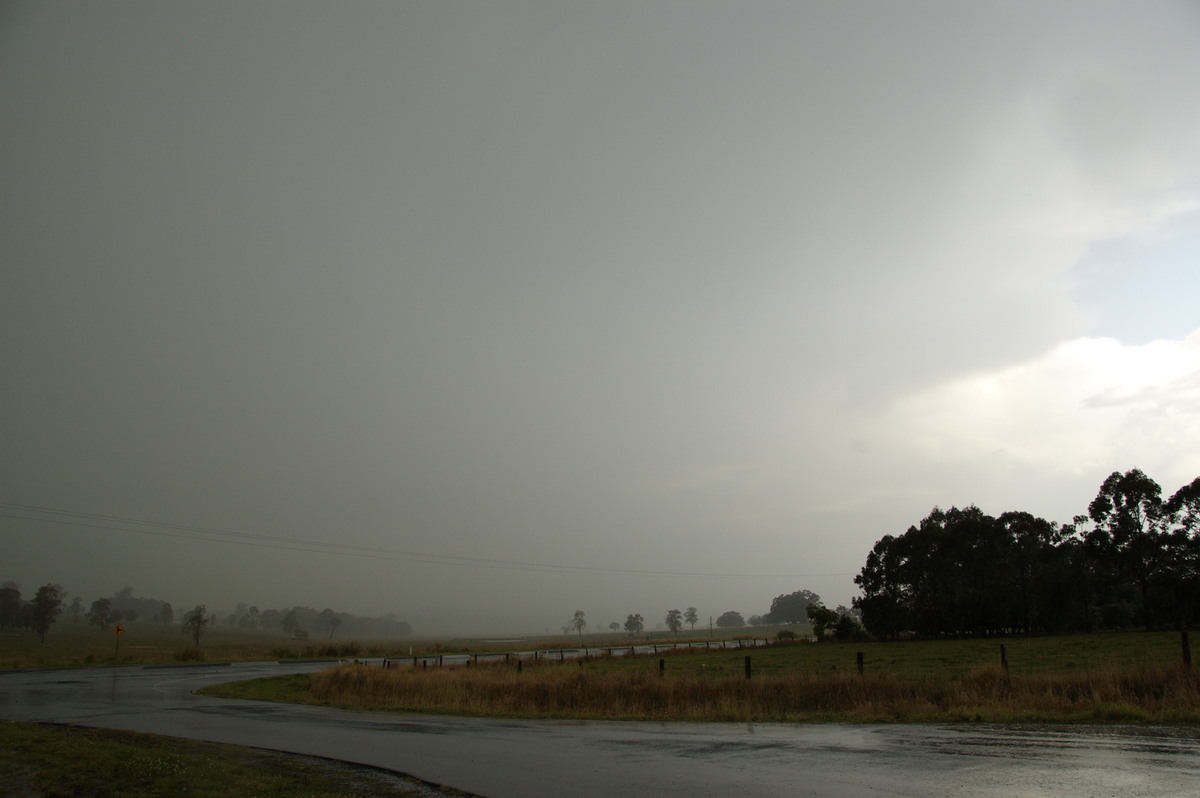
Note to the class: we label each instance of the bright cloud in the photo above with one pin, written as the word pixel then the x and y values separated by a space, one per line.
pixel 1088 403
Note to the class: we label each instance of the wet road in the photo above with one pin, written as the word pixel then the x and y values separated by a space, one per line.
pixel 525 758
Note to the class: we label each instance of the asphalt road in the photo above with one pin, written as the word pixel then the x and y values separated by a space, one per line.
pixel 557 758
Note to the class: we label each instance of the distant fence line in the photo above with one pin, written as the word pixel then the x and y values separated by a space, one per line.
pixel 563 654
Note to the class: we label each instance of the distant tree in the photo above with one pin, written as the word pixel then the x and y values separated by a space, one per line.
pixel 10 605
pixel 269 619
pixel 730 620
pixel 329 620
pixel 691 616
pixel 614 627
pixel 822 619
pixel 195 622
pixel 791 607
pixel 674 621
pixel 756 620
pixel 101 613
pixel 75 608
pixel 249 620
pixel 290 622
pixel 634 624
pixel 47 605
pixel 166 615
pixel 579 622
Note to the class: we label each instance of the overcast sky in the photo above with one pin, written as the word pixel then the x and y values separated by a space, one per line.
pixel 512 309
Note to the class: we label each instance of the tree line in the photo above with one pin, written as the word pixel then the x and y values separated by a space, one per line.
pixel 43 611
pixel 1132 560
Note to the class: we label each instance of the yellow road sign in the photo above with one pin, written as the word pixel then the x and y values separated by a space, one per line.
pixel 118 630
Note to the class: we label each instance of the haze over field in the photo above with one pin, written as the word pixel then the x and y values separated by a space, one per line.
pixel 485 313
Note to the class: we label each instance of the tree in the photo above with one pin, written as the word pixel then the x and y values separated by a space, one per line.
pixel 1128 514
pixel 101 614
pixel 691 616
pixel 290 622
pixel 196 622
pixel 822 618
pixel 166 615
pixel 329 618
pixel 674 621
pixel 634 624
pixel 10 605
pixel 579 622
pixel 75 609
pixel 250 619
pixel 47 605
pixel 790 608
pixel 614 627
pixel 730 620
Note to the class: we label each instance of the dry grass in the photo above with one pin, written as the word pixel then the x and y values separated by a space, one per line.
pixel 1166 694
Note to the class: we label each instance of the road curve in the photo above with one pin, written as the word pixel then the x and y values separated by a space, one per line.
pixel 501 758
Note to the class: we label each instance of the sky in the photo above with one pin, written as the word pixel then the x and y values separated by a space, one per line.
pixel 482 313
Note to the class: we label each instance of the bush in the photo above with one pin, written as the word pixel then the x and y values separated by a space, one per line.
pixel 189 655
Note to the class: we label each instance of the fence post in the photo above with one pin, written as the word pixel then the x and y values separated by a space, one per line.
pixel 1187 650
pixel 858 659
pixel 1004 657
pixel 747 667
pixel 518 666
pixel 662 667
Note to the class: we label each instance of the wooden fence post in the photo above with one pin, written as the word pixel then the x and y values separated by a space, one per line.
pixel 662 667
pixel 747 667
pixel 858 658
pixel 518 666
pixel 1004 657
pixel 1187 650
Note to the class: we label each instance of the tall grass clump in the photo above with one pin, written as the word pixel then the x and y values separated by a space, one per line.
pixel 1147 694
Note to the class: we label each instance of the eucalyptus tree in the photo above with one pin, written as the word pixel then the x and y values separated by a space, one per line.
pixel 1128 517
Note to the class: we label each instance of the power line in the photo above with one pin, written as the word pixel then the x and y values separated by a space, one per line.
pixel 208 534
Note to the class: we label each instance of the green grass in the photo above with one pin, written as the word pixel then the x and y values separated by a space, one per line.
pixel 69 761
pixel 1110 678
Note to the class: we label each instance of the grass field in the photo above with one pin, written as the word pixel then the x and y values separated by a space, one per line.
pixel 69 761
pixel 1106 678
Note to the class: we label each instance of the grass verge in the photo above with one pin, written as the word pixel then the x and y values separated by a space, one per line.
pixel 1085 679
pixel 69 761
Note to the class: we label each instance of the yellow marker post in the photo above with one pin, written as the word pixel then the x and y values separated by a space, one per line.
pixel 117 631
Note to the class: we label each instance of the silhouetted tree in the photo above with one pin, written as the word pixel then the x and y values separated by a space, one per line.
pixel 196 622
pixel 579 622
pixel 1128 515
pixel 730 620
pixel 791 607
pixel 10 605
pixel 822 618
pixel 691 616
pixel 674 621
pixel 101 613
pixel 634 624
pixel 46 607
